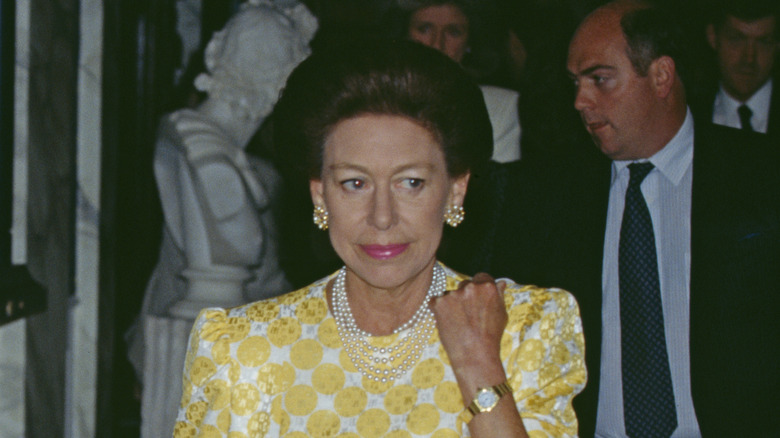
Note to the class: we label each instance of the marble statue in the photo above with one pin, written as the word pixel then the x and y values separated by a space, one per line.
pixel 219 239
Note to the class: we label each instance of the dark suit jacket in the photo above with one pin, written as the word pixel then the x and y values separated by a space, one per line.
pixel 551 233
pixel 702 106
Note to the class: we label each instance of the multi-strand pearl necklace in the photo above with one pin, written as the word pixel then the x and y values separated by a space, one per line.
pixel 388 363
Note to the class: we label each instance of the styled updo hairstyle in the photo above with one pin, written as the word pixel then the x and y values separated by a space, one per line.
pixel 399 78
pixel 487 34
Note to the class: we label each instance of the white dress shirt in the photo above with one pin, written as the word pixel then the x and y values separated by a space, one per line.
pixel 667 191
pixel 504 116
pixel 724 110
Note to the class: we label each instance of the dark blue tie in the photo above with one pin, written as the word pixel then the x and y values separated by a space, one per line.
pixel 745 114
pixel 648 399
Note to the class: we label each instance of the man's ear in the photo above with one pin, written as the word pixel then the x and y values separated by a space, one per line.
pixel 663 73
pixel 315 188
pixel 458 189
pixel 711 36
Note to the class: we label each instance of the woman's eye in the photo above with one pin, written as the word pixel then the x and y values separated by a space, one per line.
pixel 412 183
pixel 455 32
pixel 422 28
pixel 353 184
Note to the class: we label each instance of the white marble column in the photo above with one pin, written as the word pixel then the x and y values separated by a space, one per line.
pixel 81 376
pixel 13 336
pixel 166 348
pixel 12 358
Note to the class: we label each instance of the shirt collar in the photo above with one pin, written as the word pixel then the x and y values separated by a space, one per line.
pixel 758 102
pixel 673 160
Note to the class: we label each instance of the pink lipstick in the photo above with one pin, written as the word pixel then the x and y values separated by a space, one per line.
pixel 384 252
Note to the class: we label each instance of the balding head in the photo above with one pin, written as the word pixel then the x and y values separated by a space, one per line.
pixel 629 94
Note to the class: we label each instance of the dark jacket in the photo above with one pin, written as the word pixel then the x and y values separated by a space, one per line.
pixel 551 233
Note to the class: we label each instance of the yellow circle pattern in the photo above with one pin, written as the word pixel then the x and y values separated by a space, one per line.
pixel 217 394
pixel 373 423
pixel 223 420
pixel 253 351
pixel 300 400
pixel 322 424
pixel 328 334
pixel 244 399
pixel 445 433
pixel 196 412
pixel 258 424
pixel 279 364
pixel 263 312
pixel 423 419
pixel 447 397
pixel 201 370
pixel 221 351
pixel 328 379
pixel 428 373
pixel 400 399
pixel 350 401
pixel 279 416
pixel 284 331
pixel 209 431
pixel 273 378
pixel 312 311
pixel 306 354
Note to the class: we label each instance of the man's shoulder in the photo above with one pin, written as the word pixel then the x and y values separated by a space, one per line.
pixel 722 143
pixel 732 164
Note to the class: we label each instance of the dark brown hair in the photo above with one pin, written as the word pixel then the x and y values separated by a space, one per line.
pixel 395 78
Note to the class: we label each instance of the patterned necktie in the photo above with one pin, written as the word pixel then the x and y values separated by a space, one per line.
pixel 744 117
pixel 648 399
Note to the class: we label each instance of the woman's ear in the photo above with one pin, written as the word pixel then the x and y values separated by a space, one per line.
pixel 458 189
pixel 315 188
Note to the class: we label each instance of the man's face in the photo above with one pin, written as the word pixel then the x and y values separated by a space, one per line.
pixel 616 104
pixel 746 53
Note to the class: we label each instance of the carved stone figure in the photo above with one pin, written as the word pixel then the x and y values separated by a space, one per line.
pixel 219 239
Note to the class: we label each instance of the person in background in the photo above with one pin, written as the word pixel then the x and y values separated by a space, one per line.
pixel 386 136
pixel 464 31
pixel 537 41
pixel 745 36
pixel 670 243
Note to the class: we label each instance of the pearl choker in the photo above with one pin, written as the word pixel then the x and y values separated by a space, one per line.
pixel 393 359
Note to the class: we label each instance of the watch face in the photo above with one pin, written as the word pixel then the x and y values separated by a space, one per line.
pixel 487 399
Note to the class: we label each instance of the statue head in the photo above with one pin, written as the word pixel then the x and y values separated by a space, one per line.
pixel 249 60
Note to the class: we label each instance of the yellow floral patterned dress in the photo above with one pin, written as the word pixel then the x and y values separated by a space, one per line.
pixel 276 368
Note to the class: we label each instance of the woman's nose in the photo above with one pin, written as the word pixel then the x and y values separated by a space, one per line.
pixel 383 210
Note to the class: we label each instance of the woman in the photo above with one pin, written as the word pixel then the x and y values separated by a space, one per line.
pixel 464 31
pixel 394 343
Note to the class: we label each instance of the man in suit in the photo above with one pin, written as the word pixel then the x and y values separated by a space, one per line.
pixel 745 36
pixel 711 200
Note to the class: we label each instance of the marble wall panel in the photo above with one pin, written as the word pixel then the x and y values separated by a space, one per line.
pixel 13 336
pixel 54 32
pixel 12 360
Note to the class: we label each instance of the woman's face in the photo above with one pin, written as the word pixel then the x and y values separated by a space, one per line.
pixel 385 185
pixel 443 27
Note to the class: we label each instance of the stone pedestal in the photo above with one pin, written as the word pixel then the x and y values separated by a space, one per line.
pixel 219 286
pixel 166 347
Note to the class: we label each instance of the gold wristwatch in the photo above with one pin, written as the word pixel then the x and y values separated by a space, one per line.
pixel 485 400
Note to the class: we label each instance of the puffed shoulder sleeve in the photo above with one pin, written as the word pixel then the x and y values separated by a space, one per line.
pixel 206 380
pixel 543 352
